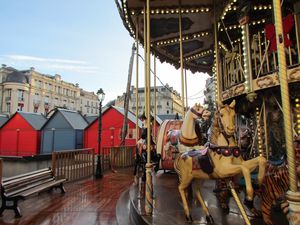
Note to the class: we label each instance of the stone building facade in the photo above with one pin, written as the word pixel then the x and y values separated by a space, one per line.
pixel 168 100
pixel 32 91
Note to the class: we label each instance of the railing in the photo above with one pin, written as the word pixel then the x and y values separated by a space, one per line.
pixel 73 164
pixel 263 49
pixel 118 156
pixel 264 56
pixel 232 65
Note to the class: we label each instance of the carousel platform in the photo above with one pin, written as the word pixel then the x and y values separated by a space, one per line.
pixel 168 208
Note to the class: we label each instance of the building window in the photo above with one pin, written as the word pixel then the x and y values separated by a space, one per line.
pixel 8 107
pixel 168 112
pixel 39 84
pixel 8 95
pixel 20 95
pixel 56 101
pixel 20 106
pixel 46 100
pixel 167 103
pixel 36 99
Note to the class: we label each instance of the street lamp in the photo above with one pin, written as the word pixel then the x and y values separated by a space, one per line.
pixel 101 96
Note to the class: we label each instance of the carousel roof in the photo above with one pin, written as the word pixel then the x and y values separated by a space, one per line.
pixel 197 27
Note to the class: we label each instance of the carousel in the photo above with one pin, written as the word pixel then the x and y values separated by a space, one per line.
pixel 245 171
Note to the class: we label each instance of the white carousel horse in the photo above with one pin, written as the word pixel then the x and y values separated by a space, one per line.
pixel 226 160
pixel 186 137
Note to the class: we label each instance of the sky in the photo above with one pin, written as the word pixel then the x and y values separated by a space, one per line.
pixel 83 41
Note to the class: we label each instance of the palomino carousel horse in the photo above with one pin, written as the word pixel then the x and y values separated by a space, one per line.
pixel 225 158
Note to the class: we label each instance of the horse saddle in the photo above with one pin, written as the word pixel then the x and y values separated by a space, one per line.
pixel 201 160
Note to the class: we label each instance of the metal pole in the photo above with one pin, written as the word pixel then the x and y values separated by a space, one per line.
pixel 293 196
pixel 238 202
pixel 266 129
pixel 145 55
pixel 137 81
pixel 185 82
pixel 285 95
pixel 181 61
pixel 98 173
pixel 218 75
pixel 154 129
pixel 149 185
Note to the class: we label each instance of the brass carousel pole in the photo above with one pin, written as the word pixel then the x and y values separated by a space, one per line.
pixel 149 185
pixel 293 196
pixel 217 75
pixel 137 80
pixel 185 82
pixel 154 129
pixel 145 56
pixel 181 60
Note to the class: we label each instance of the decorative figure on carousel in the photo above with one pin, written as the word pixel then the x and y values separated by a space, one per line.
pixel 188 136
pixel 177 136
pixel 221 189
pixel 141 151
pixel 221 159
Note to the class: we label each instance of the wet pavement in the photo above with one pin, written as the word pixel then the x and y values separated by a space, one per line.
pixel 168 207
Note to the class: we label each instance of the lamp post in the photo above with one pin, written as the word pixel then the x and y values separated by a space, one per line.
pixel 101 96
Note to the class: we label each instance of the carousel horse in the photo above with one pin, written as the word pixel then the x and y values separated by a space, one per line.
pixel 186 137
pixel 221 189
pixel 226 161
pixel 178 138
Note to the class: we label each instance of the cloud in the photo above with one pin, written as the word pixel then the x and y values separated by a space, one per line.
pixel 59 65
pixel 74 68
pixel 40 59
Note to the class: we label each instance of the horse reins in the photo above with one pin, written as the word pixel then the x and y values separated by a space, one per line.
pixel 196 113
pixel 222 130
pixel 187 141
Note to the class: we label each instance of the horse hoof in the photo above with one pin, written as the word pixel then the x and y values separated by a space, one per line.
pixel 225 209
pixel 189 219
pixel 210 220
pixel 248 203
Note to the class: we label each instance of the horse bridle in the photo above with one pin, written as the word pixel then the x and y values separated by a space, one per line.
pixel 196 113
pixel 222 130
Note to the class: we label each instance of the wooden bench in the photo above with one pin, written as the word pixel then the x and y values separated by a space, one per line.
pixel 20 187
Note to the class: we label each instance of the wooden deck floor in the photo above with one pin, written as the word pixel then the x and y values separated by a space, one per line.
pixel 86 202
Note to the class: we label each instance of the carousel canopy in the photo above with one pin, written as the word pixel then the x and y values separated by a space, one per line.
pixel 198 18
